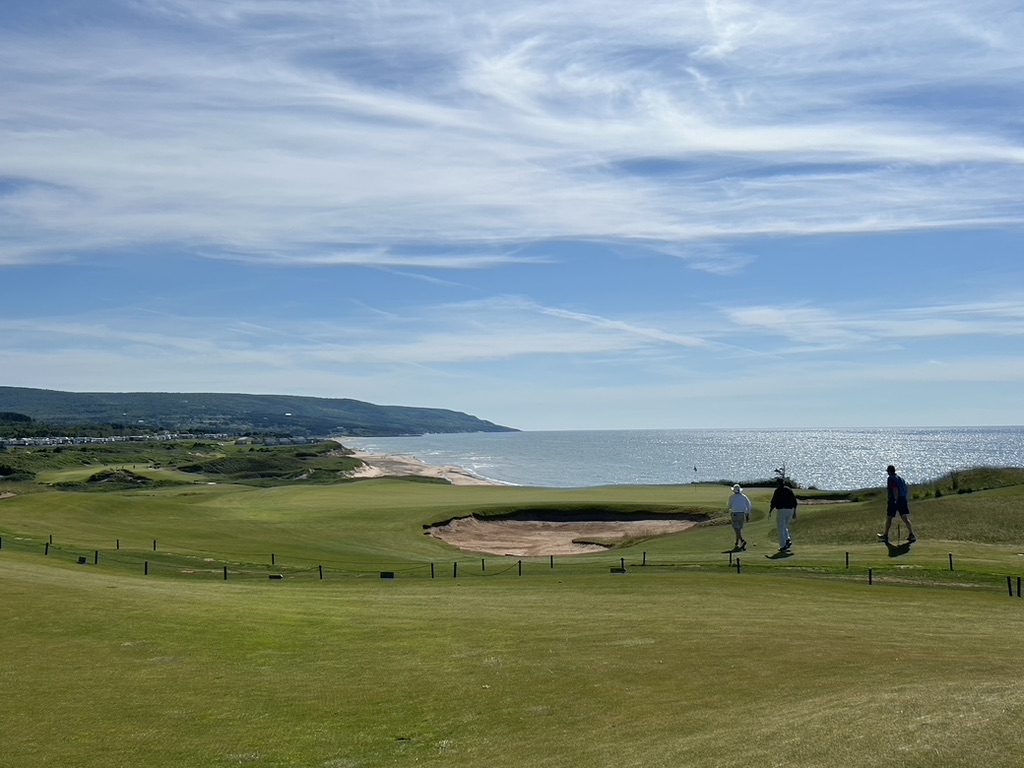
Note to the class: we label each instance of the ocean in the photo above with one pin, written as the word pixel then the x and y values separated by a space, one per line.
pixel 827 459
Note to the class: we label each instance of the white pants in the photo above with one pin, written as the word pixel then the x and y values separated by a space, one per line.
pixel 784 516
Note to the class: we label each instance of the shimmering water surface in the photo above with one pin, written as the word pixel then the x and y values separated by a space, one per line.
pixel 833 459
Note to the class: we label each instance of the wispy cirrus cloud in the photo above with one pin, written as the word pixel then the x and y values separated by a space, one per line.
pixel 295 127
pixel 819 326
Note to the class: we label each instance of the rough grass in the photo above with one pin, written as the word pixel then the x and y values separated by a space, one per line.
pixel 183 462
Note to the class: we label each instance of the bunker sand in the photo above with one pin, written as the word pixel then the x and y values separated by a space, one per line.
pixel 531 538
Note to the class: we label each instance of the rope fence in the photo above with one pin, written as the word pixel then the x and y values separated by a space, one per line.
pixel 169 561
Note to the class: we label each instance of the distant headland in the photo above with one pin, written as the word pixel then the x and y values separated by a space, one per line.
pixel 26 412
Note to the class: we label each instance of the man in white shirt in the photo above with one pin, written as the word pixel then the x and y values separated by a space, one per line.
pixel 739 510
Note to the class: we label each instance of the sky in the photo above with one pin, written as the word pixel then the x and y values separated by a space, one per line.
pixel 572 215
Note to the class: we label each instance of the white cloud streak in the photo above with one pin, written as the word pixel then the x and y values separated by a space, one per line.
pixel 346 133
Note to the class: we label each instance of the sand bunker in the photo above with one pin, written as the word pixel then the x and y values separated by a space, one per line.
pixel 536 538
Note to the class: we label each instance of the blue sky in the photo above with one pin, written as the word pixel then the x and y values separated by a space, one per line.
pixel 565 215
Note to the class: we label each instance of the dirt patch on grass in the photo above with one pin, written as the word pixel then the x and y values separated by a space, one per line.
pixel 540 538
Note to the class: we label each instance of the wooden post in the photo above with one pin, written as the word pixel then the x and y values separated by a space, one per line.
pixel 1018 586
pixel 273 559
pixel 552 561
pixel 951 561
pixel 145 568
pixel 1009 585
pixel 847 559
pixel 96 557
pixel 154 545
pixel 645 558
pixel 431 570
pixel 520 567
pixel 46 548
pixel 51 538
pixel 321 573
pixel 225 573
pixel 870 581
pixel 483 564
pixel 455 570
pixel 738 565
pixel 118 543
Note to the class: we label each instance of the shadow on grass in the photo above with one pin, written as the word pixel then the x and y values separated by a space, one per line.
pixel 896 550
pixel 782 554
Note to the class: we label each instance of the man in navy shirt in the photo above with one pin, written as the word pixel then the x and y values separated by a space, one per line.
pixel 897 504
pixel 783 503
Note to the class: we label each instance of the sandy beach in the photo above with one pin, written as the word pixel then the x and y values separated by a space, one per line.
pixel 387 465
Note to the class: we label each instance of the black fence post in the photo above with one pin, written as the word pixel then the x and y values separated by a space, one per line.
pixel 738 565
pixel 46 548
pixel 847 560
pixel 321 573
pixel 870 579
pixel 520 567
pixel 145 568
pixel 1009 585
pixel 96 557
pixel 225 573
pixel 552 560
pixel 154 545
pixel 273 559
pixel 455 570
pixel 483 564
pixel 431 570
pixel 951 561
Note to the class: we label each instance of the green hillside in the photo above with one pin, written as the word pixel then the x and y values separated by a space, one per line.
pixel 136 412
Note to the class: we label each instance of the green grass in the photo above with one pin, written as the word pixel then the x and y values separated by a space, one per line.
pixel 667 670
pixel 686 660
pixel 181 462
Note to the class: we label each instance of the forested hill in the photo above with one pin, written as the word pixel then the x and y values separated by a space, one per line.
pixel 232 413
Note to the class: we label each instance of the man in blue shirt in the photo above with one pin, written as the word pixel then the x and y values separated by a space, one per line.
pixel 897 504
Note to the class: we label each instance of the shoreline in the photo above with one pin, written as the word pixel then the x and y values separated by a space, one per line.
pixel 392 465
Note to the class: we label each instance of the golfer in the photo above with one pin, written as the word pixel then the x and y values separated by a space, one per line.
pixel 897 504
pixel 784 502
pixel 739 510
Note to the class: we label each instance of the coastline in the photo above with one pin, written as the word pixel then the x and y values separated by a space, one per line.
pixel 391 465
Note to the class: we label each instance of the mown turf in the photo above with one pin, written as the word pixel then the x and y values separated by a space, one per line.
pixel 686 659
pixel 668 670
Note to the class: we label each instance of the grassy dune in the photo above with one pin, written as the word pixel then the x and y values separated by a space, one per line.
pixel 684 661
